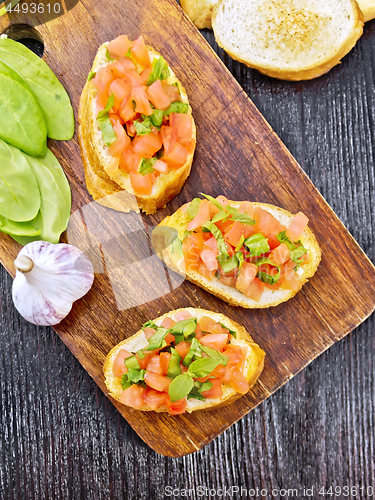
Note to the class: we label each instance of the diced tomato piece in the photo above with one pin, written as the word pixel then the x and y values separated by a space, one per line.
pixel 154 365
pixel 133 78
pixel 168 322
pixel 229 279
pixel 216 390
pixel 147 145
pixel 119 47
pixel 234 233
pixel 209 259
pixel 191 248
pixel 183 123
pixel 120 90
pixel 130 128
pixel 255 290
pixel 219 371
pixel 133 397
pixel 177 407
pixel 121 67
pixel 126 109
pixel 246 208
pixel 169 138
pixel 213 209
pixel 164 361
pixel 129 160
pixel 145 74
pixel 119 368
pixel 198 332
pixel 142 104
pixel 140 53
pixel 202 216
pixel 222 200
pixel 235 354
pixel 149 332
pixel 154 399
pixel 183 348
pixel 121 143
pixel 246 276
pixel 172 91
pixel 142 184
pixel 238 381
pixel 177 157
pixel 147 355
pixel 157 382
pixel 280 254
pixel 297 226
pixel 102 80
pixel 211 243
pixel 203 271
pixel 182 315
pixel 160 166
pixel 267 225
pixel 216 341
pixel 289 279
pixel 157 96
pixel 196 240
pixel 209 325
pixel 169 339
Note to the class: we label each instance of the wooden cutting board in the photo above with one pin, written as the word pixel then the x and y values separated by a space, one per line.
pixel 238 155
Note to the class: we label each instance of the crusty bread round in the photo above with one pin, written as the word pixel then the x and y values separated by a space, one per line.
pixel 368 9
pixel 253 365
pixel 180 220
pixel 199 11
pixel 294 40
pixel 96 157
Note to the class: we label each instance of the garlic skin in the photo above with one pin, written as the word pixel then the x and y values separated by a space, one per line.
pixel 48 280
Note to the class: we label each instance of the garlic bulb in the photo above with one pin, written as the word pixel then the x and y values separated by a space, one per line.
pixel 48 280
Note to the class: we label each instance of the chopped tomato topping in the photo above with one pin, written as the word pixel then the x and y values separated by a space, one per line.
pixel 209 325
pixel 142 184
pixel 119 367
pixel 211 243
pixel 238 381
pixel 157 382
pixel 154 365
pixel 164 361
pixel 246 276
pixel 147 145
pixel 102 80
pixel 121 143
pixel 167 322
pixel 119 47
pixel 147 355
pixel 183 123
pixel 182 315
pixel 177 407
pixel 209 259
pixel 142 104
pixel 133 397
pixel 229 279
pixel 160 166
pixel 177 157
pixel 297 226
pixel 267 225
pixel 216 341
pixel 191 247
pixel 172 91
pixel 255 290
pixel 120 90
pixel 133 78
pixel 169 138
pixel 157 95
pixel 126 109
pixel 236 231
pixel 121 66
pixel 203 271
pixel 130 160
pixel 216 390
pixel 202 216
pixel 154 399
pixel 145 74
pixel 280 254
pixel 149 332
pixel 246 208
pixel 139 52
pixel 183 348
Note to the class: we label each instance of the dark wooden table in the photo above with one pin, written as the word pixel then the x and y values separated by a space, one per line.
pixel 61 438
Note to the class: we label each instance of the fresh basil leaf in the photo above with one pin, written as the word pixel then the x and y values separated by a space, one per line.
pixel 240 244
pixel 174 366
pixel 216 355
pixel 212 200
pixel 108 107
pixel 257 245
pixel 265 277
pixel 186 234
pixel 205 386
pixel 91 75
pixel 195 394
pixel 185 327
pixel 203 367
pixel 244 218
pixel 141 354
pixel 150 324
pixel 177 107
pixel 297 254
pixel 176 248
pixel 132 362
pixel 146 166
pixel 180 387
pixel 125 384
pixel 159 71
pixel 228 263
pixel 157 117
pixel 283 238
pixel 143 128
pixel 128 54
pixel 230 210
pixel 106 128
pixel 210 227
pixel 219 216
pixel 232 332
pixel 193 208
pixel 240 259
pixel 136 375
pixel 108 55
pixel 157 340
pixel 194 352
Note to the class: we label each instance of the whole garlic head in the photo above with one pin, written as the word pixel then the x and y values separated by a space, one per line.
pixel 48 280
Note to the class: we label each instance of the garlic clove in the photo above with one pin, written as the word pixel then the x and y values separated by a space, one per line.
pixel 49 278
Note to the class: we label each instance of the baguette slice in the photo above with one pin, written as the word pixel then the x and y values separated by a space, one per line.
pixel 252 369
pixel 294 40
pixel 368 9
pixel 179 221
pixel 199 11
pixel 102 182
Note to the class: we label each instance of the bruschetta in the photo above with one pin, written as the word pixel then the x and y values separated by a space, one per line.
pixel 186 360
pixel 136 128
pixel 252 255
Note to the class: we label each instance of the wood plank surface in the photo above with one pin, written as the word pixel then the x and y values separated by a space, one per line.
pixel 236 142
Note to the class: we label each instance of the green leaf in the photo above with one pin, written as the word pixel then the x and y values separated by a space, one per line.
pixel 265 277
pixel 92 75
pixel 132 362
pixel 210 226
pixel 228 263
pixel 257 244
pixel 143 128
pixel 212 200
pixel 108 107
pixel 108 55
pixel 146 166
pixel 195 394
pixel 283 238
pixel 150 324
pixel 297 250
pixel 230 210
pixel 176 248
pixel 14 228
pixel 185 327
pixel 174 366
pixel 157 340
pixel 125 384
pixel 219 216
pixel 244 218
pixel 140 354
pixel 193 208
pixel 186 234
pixel 240 259
pixel 216 355
pixel 232 332
pixel 159 71
pixel 205 386
pixel 297 254
pixel 136 375
pixel 180 387
pixel 203 367
pixel 156 118
pixel 106 128
pixel 194 352
pixel 177 107
pixel 240 243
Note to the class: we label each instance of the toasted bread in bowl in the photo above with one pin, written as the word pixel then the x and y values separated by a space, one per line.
pixel 176 225
pixel 104 175
pixel 250 365
pixel 295 40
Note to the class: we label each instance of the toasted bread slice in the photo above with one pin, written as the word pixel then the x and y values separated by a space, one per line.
pixel 179 222
pixel 252 368
pixel 199 11
pixel 294 40
pixel 102 181
pixel 368 9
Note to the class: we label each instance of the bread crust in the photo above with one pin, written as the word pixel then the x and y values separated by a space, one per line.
pixel 253 365
pixel 199 11
pixel 308 72
pixel 179 221
pixel 102 185
pixel 368 9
